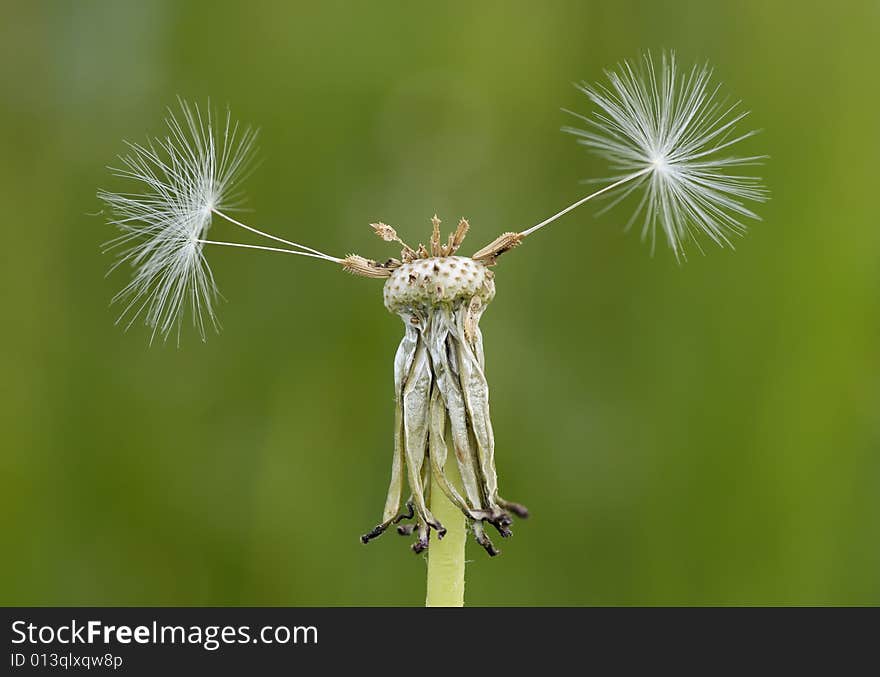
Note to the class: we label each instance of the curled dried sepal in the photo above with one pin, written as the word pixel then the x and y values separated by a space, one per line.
pixel 443 402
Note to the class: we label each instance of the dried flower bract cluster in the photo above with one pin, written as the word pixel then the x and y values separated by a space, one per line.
pixel 440 386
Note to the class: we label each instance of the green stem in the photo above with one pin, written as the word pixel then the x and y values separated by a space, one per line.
pixel 446 557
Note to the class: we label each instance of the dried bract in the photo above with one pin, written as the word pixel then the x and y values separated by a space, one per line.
pixel 442 394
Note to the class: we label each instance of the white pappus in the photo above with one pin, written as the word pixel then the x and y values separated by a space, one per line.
pixel 186 178
pixel 665 132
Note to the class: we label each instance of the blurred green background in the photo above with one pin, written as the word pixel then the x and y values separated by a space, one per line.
pixel 696 434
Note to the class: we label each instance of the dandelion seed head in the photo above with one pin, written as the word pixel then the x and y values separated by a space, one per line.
pixel 669 132
pixel 183 179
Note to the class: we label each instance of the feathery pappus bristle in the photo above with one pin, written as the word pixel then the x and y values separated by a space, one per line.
pixel 185 177
pixel 665 133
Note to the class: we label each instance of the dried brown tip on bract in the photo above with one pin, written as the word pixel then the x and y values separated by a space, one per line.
pixel 435 247
pixel 388 234
pixel 385 231
pixel 456 238
pixel 435 236
pixel 489 254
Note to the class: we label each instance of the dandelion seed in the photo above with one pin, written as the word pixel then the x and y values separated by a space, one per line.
pixel 666 133
pixel 186 178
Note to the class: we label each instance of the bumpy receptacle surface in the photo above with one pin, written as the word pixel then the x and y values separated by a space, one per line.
pixel 438 280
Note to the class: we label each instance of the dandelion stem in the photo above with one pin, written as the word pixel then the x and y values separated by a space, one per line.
pixel 446 557
pixel 577 204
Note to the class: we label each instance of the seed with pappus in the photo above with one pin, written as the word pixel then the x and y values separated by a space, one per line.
pixel 666 134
